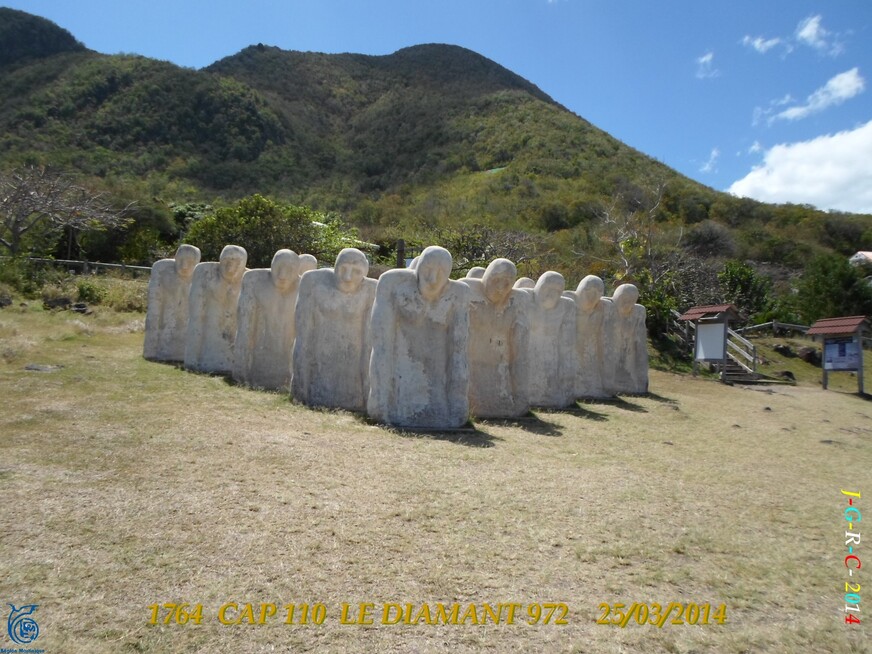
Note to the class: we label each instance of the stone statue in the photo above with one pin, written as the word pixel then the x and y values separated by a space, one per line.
pixel 166 318
pixel 212 312
pixel 332 349
pixel 551 358
pixel 592 317
pixel 419 374
pixel 476 272
pixel 525 282
pixel 628 344
pixel 265 324
pixel 307 262
pixel 498 344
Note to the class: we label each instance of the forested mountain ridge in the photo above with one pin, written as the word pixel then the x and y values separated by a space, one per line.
pixel 430 140
pixel 287 123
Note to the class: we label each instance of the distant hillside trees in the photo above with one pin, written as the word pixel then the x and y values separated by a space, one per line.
pixel 831 287
pixel 28 37
pixel 262 226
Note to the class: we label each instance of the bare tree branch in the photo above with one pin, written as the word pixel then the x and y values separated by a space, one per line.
pixel 37 198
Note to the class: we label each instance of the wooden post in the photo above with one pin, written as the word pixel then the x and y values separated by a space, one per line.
pixel 826 378
pixel 401 253
pixel 859 340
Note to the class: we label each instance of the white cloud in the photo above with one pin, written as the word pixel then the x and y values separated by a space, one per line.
pixel 843 86
pixel 709 166
pixel 705 66
pixel 760 44
pixel 755 148
pixel 810 32
pixel 829 172
pixel 760 112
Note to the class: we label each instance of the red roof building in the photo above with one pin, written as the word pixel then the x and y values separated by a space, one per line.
pixel 840 326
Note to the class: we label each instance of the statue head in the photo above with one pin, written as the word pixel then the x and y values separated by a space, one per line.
pixel 350 268
pixel 433 271
pixel 284 269
pixel 187 257
pixel 476 272
pixel 232 263
pixel 524 282
pixel 413 264
pixel 549 289
pixel 589 291
pixel 625 298
pixel 498 279
pixel 307 262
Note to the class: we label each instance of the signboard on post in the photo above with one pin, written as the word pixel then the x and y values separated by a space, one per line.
pixel 843 345
pixel 842 354
pixel 711 341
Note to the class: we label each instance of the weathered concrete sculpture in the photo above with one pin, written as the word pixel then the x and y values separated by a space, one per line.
pixel 627 354
pixel 525 282
pixel 476 272
pixel 166 318
pixel 212 312
pixel 307 262
pixel 419 374
pixel 265 323
pixel 498 344
pixel 551 358
pixel 332 348
pixel 592 317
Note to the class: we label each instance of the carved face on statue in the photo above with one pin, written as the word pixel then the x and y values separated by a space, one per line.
pixel 498 280
pixel 589 292
pixel 232 263
pixel 625 298
pixel 284 269
pixel 433 270
pixel 350 268
pixel 549 289
pixel 187 257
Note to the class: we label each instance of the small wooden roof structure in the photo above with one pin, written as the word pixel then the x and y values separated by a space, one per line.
pixel 712 313
pixel 841 326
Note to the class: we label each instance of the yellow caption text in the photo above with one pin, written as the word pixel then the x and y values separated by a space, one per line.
pixel 362 613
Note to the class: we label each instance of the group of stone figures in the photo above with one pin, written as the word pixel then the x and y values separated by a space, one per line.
pixel 414 349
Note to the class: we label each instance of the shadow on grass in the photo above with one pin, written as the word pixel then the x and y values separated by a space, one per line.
pixel 530 422
pixel 660 398
pixel 587 414
pixel 469 434
pixel 618 402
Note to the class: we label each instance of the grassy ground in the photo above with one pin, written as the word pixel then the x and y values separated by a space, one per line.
pixel 127 483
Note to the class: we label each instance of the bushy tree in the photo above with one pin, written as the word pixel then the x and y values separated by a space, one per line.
pixel 832 287
pixel 743 286
pixel 262 226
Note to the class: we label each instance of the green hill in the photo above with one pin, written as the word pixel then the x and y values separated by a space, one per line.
pixel 432 137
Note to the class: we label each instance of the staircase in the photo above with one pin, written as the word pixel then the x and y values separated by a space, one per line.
pixel 742 359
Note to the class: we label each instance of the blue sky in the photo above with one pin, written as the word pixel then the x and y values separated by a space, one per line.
pixel 765 98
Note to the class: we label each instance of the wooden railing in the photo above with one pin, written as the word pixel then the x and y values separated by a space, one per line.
pixel 775 326
pixel 86 267
pixel 742 351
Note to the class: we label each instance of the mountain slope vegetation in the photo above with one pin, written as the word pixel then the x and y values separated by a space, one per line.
pixel 431 142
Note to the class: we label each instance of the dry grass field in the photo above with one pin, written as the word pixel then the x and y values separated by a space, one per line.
pixel 126 484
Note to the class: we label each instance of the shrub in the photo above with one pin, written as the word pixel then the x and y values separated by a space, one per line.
pixel 90 291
